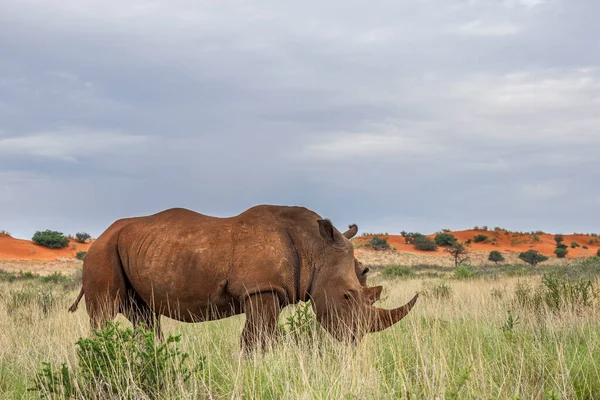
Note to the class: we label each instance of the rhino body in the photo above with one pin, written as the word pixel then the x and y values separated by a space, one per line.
pixel 193 267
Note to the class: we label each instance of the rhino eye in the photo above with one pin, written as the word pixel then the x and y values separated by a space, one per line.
pixel 346 296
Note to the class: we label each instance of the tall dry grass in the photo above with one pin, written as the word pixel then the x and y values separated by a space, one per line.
pixel 460 344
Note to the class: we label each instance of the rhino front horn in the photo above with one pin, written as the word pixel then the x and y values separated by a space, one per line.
pixel 383 318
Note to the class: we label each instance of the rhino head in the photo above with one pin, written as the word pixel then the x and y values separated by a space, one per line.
pixel 341 300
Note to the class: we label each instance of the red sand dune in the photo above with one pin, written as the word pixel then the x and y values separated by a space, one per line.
pixel 504 242
pixel 18 249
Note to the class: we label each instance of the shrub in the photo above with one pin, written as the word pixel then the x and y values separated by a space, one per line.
pixel 424 243
pixel 401 271
pixel 82 237
pixel 464 272
pixel 561 246
pixel 561 252
pixel 495 256
pixel 574 244
pixel 301 325
pixel 445 239
pixel 81 255
pixel 4 233
pixel 458 252
pixel 439 290
pixel 558 238
pixel 584 247
pixel 480 238
pixel 532 257
pixel 51 239
pixel 378 243
pixel 598 253
pixel 562 291
pixel 116 361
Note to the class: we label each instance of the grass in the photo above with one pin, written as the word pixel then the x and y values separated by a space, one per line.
pixel 466 339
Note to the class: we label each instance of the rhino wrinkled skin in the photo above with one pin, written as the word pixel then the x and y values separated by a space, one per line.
pixel 193 267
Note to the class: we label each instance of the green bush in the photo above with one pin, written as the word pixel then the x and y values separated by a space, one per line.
pixel 532 257
pixel 561 246
pixel 302 325
pixel 558 238
pixel 584 247
pixel 574 244
pixel 563 291
pixel 82 237
pixel 401 271
pixel 116 361
pixel 424 243
pixel 378 243
pixel 464 272
pixel 561 252
pixel 480 238
pixel 598 253
pixel 51 239
pixel 81 255
pixel 495 256
pixel 445 239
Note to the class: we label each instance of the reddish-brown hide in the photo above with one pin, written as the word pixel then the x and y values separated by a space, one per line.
pixel 193 267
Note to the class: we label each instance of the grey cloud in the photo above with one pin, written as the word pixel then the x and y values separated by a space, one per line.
pixel 408 115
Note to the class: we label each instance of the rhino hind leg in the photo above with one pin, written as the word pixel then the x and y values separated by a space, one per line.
pixel 139 312
pixel 262 314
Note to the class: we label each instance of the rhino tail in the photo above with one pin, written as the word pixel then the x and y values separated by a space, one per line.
pixel 73 307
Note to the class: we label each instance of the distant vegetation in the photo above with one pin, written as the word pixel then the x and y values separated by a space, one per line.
pixel 82 237
pixel 5 233
pixel 445 239
pixel 532 257
pixel 424 243
pixel 378 243
pixel 480 238
pixel 81 255
pixel 495 256
pixel 50 239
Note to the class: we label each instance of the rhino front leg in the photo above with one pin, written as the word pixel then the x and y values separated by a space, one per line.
pixel 262 314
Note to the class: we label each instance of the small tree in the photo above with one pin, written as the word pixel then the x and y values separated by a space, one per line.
pixel 559 238
pixel 496 256
pixel 445 239
pixel 532 257
pixel 82 237
pixel 561 252
pixel 480 238
pixel 50 239
pixel 424 243
pixel 458 252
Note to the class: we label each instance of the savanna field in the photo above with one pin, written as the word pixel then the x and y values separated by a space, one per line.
pixel 496 331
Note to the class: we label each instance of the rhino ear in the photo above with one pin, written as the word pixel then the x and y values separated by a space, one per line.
pixel 373 294
pixel 351 232
pixel 326 230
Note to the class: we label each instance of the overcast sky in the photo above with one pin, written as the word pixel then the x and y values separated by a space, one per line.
pixel 395 115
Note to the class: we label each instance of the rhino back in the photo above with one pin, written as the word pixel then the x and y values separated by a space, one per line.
pixel 200 260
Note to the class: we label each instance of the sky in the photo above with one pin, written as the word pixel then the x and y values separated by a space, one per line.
pixel 415 115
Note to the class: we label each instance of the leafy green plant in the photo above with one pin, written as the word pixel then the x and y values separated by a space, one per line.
pixel 424 243
pixel 495 256
pixel 439 290
pixel 301 325
pixel 598 253
pixel 378 243
pixel 574 245
pixel 464 272
pixel 510 324
pixel 445 239
pixel 561 252
pixel 50 239
pixel 81 255
pixel 82 237
pixel 116 361
pixel 480 238
pixel 559 238
pixel 532 257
